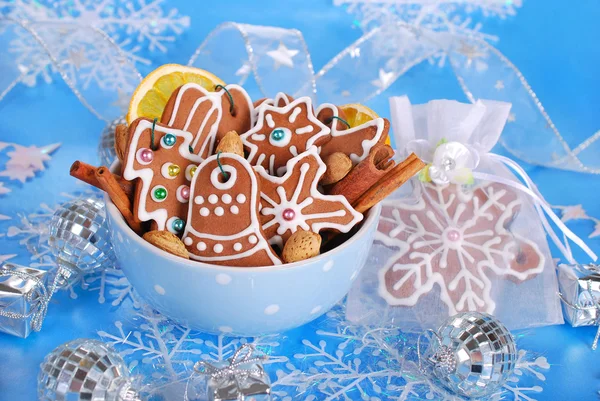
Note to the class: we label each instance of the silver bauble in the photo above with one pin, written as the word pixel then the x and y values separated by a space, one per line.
pixel 106 144
pixel 79 236
pixel 472 354
pixel 85 369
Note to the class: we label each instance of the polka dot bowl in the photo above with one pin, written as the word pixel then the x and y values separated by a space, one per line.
pixel 234 300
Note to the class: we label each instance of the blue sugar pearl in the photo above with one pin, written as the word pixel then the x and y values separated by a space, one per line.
pixel 178 225
pixel 169 139
pixel 278 134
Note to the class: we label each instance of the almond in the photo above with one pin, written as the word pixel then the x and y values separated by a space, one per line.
pixel 301 245
pixel 121 137
pixel 338 166
pixel 231 143
pixel 168 242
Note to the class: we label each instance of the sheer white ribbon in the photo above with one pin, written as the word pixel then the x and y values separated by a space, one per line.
pixel 278 59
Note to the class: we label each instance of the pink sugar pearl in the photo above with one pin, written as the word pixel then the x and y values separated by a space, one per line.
pixel 185 192
pixel 288 214
pixel 146 155
pixel 453 235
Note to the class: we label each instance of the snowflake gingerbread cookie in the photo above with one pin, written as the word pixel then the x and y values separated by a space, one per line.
pixel 355 142
pixel 457 239
pixel 160 158
pixel 282 133
pixel 293 202
pixel 223 226
pixel 209 115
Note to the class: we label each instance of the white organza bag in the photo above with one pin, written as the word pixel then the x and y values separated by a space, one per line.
pixel 466 235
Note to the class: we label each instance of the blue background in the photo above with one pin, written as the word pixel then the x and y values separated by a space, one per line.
pixel 554 44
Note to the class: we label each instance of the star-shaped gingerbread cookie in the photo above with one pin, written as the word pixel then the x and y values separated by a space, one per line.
pixel 355 142
pixel 282 133
pixel 293 202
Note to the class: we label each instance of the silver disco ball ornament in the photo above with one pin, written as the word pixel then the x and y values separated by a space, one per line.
pixel 106 145
pixel 472 354
pixel 79 237
pixel 84 370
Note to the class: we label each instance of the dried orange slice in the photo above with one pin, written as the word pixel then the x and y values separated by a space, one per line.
pixel 358 114
pixel 153 93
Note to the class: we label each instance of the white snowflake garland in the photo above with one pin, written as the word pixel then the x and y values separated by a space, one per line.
pixel 24 162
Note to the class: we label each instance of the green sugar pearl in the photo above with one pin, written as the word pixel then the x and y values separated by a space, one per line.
pixel 278 134
pixel 160 193
pixel 178 225
pixel 169 139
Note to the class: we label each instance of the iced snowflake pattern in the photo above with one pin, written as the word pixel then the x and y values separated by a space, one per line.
pixel 329 359
pixel 456 238
pixel 134 25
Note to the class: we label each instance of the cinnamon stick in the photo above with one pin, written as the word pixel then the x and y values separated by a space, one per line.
pixel 391 181
pixel 365 174
pixel 87 173
pixel 109 184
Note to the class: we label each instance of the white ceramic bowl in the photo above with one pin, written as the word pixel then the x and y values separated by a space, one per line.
pixel 240 301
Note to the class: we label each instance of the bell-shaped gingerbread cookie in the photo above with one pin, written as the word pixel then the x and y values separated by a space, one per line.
pixel 223 226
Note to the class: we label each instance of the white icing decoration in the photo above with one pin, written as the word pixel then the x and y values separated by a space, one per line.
pixel 204 212
pixel 170 225
pixel 259 137
pixel 295 114
pixel 300 220
pixel 198 200
pixel 305 130
pixel 146 174
pixel 252 239
pixel 154 198
pixel 255 158
pixel 219 211
pixel 216 173
pixel 483 251
pixel 293 151
pixel 252 229
pixel 201 246
pixel 138 157
pixel 226 199
pixel 234 209
pixel 277 241
pixel 216 108
pixel 188 241
pixel 218 248
pixel 241 198
pixel 367 144
pixel 188 174
pixel 213 199
pixel 180 198
pixel 283 142
pixel 237 247
pixel 270 122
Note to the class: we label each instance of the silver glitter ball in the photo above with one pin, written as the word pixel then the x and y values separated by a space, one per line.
pixel 473 354
pixel 85 369
pixel 106 145
pixel 79 236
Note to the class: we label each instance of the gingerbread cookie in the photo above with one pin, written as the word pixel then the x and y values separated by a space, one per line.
pixel 280 100
pixel 223 226
pixel 209 115
pixel 356 142
pixel 164 165
pixel 293 202
pixel 457 239
pixel 282 133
